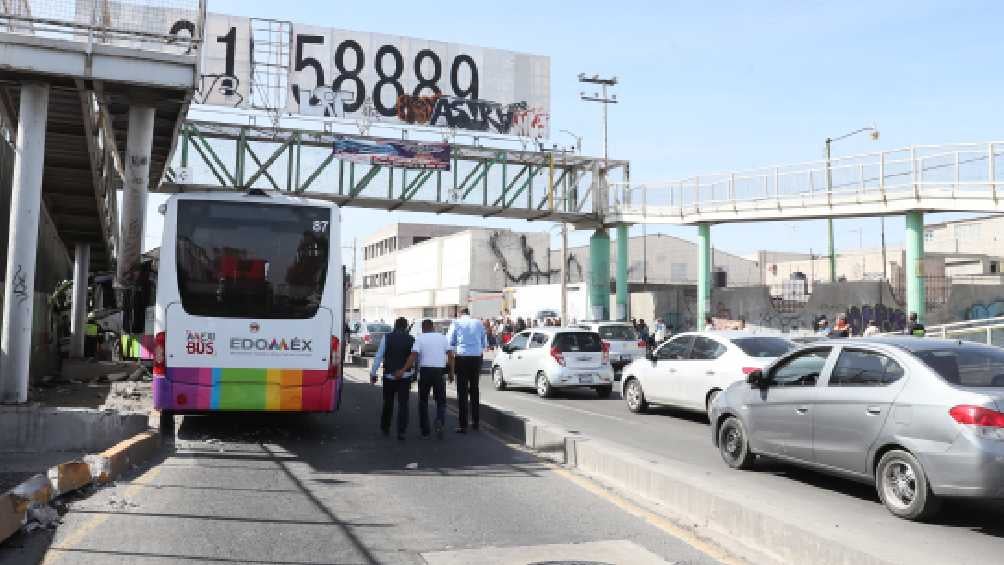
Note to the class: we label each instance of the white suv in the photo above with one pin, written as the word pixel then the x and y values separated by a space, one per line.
pixel 623 341
pixel 550 358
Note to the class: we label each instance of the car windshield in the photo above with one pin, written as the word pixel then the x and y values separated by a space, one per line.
pixel 378 328
pixel 587 342
pixel 764 346
pixel 623 333
pixel 969 365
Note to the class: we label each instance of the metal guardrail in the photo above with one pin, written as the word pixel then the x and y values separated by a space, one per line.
pixel 170 26
pixel 989 331
pixel 953 171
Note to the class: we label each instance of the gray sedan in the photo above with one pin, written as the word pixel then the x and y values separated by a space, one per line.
pixel 919 418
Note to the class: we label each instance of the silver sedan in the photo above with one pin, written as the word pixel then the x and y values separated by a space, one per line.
pixel 919 418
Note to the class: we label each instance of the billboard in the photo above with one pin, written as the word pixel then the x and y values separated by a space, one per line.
pixel 334 72
pixel 394 153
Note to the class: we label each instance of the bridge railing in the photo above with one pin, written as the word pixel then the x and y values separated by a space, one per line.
pixel 170 26
pixel 959 171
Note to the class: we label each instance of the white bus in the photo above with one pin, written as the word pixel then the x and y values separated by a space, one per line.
pixel 249 305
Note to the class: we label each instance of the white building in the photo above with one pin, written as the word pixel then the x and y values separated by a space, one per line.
pixel 427 271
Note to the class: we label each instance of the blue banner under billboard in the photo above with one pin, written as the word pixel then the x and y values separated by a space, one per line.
pixel 394 153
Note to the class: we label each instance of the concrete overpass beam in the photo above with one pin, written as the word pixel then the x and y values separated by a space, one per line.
pixel 703 275
pixel 25 208
pixel 916 299
pixel 139 143
pixel 78 310
pixel 623 309
pixel 599 275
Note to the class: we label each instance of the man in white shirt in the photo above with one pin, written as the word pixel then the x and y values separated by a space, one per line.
pixel 433 355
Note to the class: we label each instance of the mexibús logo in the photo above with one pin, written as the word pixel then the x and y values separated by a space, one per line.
pixel 200 343
pixel 270 345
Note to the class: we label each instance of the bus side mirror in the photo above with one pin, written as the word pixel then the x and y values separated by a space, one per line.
pixel 755 378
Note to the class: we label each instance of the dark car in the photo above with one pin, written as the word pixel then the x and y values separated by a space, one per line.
pixel 364 337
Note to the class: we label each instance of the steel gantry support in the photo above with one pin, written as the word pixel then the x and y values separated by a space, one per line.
pixel 916 298
pixel 484 181
pixel 623 304
pixel 25 209
pixel 599 275
pixel 78 309
pixel 703 275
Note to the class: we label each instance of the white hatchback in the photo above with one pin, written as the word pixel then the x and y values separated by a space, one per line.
pixel 550 358
pixel 691 369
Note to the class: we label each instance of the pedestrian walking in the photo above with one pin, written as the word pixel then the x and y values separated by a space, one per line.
pixel 392 354
pixel 841 328
pixel 823 327
pixel 467 339
pixel 432 355
pixel 915 328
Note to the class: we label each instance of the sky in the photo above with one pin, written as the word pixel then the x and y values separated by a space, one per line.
pixel 717 86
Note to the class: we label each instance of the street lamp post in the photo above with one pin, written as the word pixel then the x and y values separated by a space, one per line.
pixel 829 190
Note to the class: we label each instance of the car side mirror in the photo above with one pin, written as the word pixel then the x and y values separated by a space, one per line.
pixel 755 379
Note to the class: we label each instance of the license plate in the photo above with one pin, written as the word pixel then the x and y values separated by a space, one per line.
pixel 585 378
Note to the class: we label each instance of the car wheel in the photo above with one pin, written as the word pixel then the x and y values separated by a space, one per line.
pixel 711 400
pixel 497 378
pixel 635 396
pixel 733 444
pixel 605 391
pixel 903 487
pixel 543 386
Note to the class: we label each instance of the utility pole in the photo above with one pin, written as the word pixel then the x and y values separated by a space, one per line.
pixel 829 193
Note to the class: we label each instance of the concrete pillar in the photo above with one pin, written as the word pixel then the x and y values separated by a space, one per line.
pixel 25 209
pixel 623 302
pixel 916 299
pixel 703 274
pixel 78 311
pixel 139 141
pixel 599 275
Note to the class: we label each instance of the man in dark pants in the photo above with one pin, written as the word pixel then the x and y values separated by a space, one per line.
pixel 431 353
pixel 393 353
pixel 468 340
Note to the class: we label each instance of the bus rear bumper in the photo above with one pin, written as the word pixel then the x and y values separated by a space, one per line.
pixel 244 397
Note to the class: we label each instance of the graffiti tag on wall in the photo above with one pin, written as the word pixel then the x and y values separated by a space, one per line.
pixel 476 115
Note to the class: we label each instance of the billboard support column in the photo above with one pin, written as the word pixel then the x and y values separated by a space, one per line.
pixel 599 275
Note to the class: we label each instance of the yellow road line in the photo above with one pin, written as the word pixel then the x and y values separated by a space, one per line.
pixel 74 538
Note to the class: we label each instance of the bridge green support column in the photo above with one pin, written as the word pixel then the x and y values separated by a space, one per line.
pixel 916 299
pixel 703 274
pixel 623 300
pixel 599 275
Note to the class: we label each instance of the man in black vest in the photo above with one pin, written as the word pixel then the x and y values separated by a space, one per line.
pixel 395 348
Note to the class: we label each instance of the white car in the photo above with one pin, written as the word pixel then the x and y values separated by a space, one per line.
pixel 623 341
pixel 550 358
pixel 691 369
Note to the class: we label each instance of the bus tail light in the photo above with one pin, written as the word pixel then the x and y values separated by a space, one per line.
pixel 334 363
pixel 556 353
pixel 160 354
pixel 606 352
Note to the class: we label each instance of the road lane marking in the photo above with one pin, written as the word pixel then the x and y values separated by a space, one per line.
pixel 74 538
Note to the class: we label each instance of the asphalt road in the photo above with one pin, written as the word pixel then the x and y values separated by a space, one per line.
pixel 331 489
pixel 834 506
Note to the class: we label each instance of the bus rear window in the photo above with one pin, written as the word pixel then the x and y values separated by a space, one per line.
pixel 578 342
pixel 251 260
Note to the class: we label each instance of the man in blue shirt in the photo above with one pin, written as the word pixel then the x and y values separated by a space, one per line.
pixel 468 341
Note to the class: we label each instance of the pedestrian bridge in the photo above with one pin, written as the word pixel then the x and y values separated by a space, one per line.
pixel 959 177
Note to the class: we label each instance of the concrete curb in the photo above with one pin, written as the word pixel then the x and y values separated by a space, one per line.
pixel 69 476
pixel 695 504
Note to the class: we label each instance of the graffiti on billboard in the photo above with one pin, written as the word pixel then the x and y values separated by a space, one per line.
pixel 475 115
